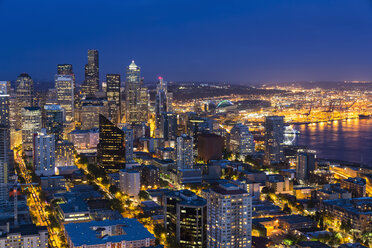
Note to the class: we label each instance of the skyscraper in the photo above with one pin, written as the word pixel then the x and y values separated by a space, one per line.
pixel 64 69
pixel 91 108
pixel 4 140
pixel 136 96
pixel 53 121
pixel 186 218
pixel 44 154
pixel 31 124
pixel 91 83
pixel 241 140
pixel 110 149
pixel 113 97
pixel 128 132
pixel 4 163
pixel 168 126
pixel 274 139
pixel 24 96
pixel 162 102
pixel 229 216
pixel 4 102
pixel 64 85
pixel 305 164
pixel 185 152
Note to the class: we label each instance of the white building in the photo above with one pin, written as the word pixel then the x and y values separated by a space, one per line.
pixel 130 182
pixel 241 140
pixel 229 217
pixel 185 152
pixel 25 236
pixel 44 154
pixel 84 140
pixel 64 85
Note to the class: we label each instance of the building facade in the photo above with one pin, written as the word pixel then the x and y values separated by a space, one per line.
pixel 91 83
pixel 53 120
pixel 110 149
pixel 241 141
pixel 64 153
pixel 229 216
pixel 185 152
pixel 31 124
pixel 27 235
pixel 185 217
pixel 305 164
pixel 64 85
pixel 24 96
pixel 44 154
pixel 136 96
pixel 130 182
pixel 168 126
pixel 356 185
pixel 274 139
pixel 113 97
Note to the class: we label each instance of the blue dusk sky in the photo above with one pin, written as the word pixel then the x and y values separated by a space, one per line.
pixel 195 40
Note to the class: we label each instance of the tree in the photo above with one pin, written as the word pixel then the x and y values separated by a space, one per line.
pixel 163 183
pixel 116 205
pixel 286 209
pixel 227 154
pixel 267 190
pixel 159 230
pixel 346 225
pixel 143 195
pixel 113 189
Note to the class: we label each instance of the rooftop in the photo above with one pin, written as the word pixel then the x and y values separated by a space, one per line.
pixel 26 229
pixel 87 233
pixel 312 244
pixel 356 180
pixel 228 189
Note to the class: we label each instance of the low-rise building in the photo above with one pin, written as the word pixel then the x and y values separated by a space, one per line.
pixel 75 210
pixel 130 182
pixel 85 141
pixel 355 185
pixel 357 211
pixel 186 176
pixel 150 176
pixel 311 244
pixel 332 192
pixel 53 183
pixel 279 184
pixel 108 234
pixel 114 179
pixel 303 192
pixel 153 210
pixel 28 235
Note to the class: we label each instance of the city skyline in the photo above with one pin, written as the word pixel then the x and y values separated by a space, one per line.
pixel 159 124
pixel 238 42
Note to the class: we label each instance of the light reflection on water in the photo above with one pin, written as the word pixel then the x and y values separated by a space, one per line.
pixel 349 140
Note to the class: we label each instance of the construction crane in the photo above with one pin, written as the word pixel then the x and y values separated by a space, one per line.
pixel 15 185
